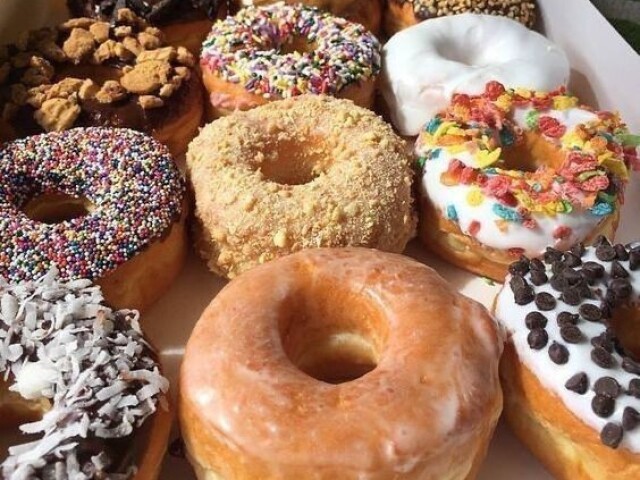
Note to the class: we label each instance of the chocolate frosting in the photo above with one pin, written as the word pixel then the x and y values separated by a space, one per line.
pixel 158 12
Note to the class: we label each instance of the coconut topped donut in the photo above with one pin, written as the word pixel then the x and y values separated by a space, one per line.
pixel 569 320
pixel 97 375
pixel 519 170
pixel 250 49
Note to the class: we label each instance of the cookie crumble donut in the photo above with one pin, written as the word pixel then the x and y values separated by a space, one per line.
pixel 570 372
pixel 103 204
pixel 426 65
pixel 311 171
pixel 401 14
pixel 340 363
pixel 280 51
pixel 85 379
pixel 509 172
pixel 88 73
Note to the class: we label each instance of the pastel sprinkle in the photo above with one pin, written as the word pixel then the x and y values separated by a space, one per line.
pixel 452 214
pixel 506 213
pixel 602 209
pixel 475 197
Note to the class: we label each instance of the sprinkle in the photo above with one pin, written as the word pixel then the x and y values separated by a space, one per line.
pixel 551 127
pixel 506 213
pixel 484 158
pixel 474 228
pixel 602 209
pixel 452 214
pixel 475 197
pixel 564 102
pixel 531 119
pixel 433 124
pixel 562 232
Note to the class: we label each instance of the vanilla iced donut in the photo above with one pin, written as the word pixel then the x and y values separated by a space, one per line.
pixel 423 66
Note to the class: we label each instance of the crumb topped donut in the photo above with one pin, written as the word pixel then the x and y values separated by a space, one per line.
pixel 87 377
pixel 510 171
pixel 87 73
pixel 311 171
pixel 97 203
pixel 401 14
pixel 341 363
pixel 571 370
pixel 281 51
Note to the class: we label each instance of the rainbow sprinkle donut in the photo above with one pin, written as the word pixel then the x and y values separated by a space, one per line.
pixel 280 51
pixel 510 172
pixel 132 194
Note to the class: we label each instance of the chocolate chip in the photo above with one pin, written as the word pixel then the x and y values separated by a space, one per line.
pixel 585 291
pixel 558 353
pixel 566 318
pixel 517 282
pixel 634 388
pixel 621 252
pixel 605 309
pixel 607 386
pixel 521 267
pixel 593 270
pixel 603 406
pixel 630 366
pixel 630 418
pixel 536 265
pixel 572 276
pixel 602 358
pixel 606 253
pixel 535 320
pixel 571 334
pixel 578 249
pixel 603 341
pixel 537 338
pixel 601 240
pixel 634 260
pixel 578 383
pixel 538 277
pixel 617 270
pixel 557 267
pixel 552 255
pixel 572 260
pixel 524 296
pixel 571 296
pixel 545 301
pixel 611 435
pixel 559 283
pixel 621 287
pixel 590 312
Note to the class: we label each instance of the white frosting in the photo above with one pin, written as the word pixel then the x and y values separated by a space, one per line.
pixel 424 65
pixel 554 376
pixel 533 241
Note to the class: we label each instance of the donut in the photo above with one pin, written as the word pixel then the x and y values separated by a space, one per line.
pixel 280 51
pixel 87 73
pixel 401 14
pixel 311 171
pixel 368 13
pixel 511 171
pixel 89 380
pixel 570 372
pixel 97 203
pixel 183 23
pixel 340 363
pixel 425 65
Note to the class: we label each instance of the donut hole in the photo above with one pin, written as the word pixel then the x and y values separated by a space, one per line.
pixel 287 162
pixel 295 44
pixel 534 152
pixel 333 336
pixel 625 321
pixel 52 208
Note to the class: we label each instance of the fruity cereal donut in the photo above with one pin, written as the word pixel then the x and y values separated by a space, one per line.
pixel 280 51
pixel 570 372
pixel 509 172
pixel 97 203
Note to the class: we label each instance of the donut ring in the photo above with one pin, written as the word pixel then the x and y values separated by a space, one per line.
pixel 509 172
pixel 89 73
pixel 85 377
pixel 248 409
pixel 280 51
pixel 570 372
pixel 121 200
pixel 306 172
pixel 401 14
pixel 426 65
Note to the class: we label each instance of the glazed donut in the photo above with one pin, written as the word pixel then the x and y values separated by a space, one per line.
pixel 340 363
pixel 365 12
pixel 509 172
pixel 425 65
pixel 280 51
pixel 401 14
pixel 570 372
pixel 183 23
pixel 306 172
pixel 89 73
pixel 96 203
pixel 87 378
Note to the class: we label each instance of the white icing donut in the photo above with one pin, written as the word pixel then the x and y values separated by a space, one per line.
pixel 555 375
pixel 424 65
